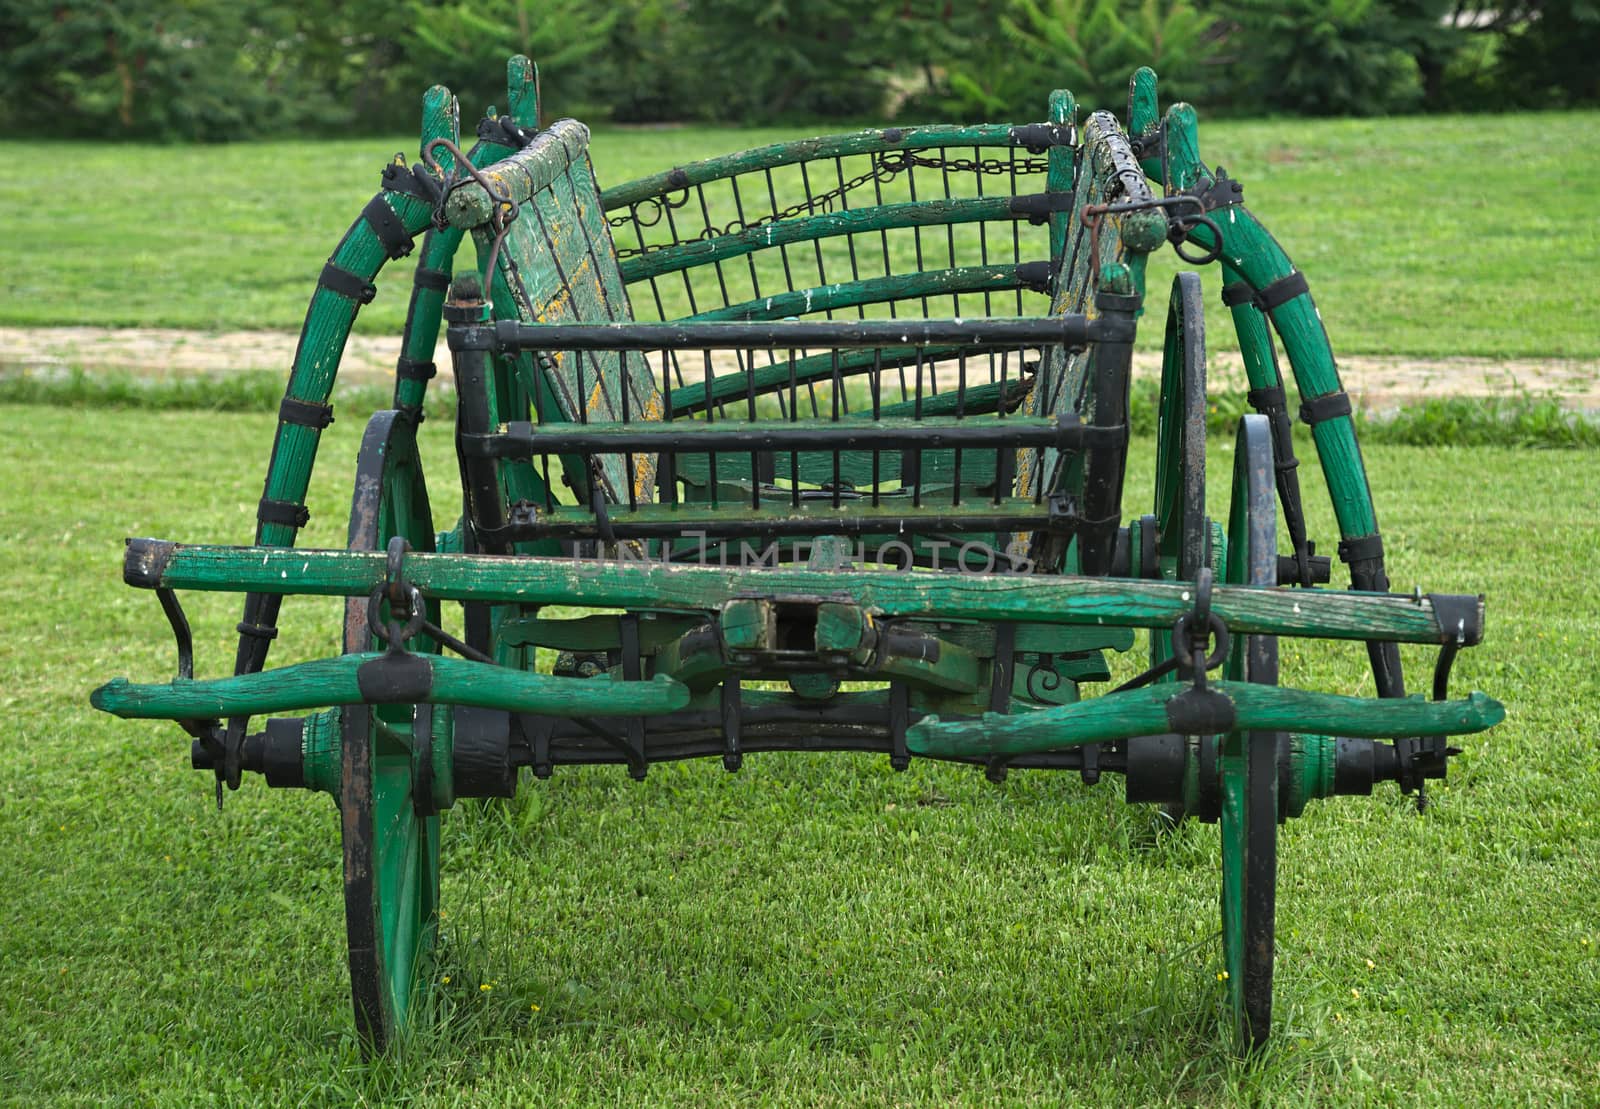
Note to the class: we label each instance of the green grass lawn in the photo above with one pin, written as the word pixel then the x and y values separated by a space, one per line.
pixel 1431 236
pixel 815 929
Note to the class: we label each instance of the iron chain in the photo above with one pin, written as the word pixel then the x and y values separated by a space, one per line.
pixel 885 167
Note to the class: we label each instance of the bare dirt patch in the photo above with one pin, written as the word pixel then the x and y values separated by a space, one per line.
pixel 1375 383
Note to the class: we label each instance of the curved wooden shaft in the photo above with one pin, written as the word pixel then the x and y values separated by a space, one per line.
pixel 338 681
pixel 1143 711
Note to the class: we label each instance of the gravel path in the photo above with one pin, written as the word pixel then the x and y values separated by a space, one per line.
pixel 1374 382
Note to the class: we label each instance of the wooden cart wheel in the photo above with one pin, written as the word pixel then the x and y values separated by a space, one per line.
pixel 1248 762
pixel 391 852
pixel 1181 543
pixel 1180 516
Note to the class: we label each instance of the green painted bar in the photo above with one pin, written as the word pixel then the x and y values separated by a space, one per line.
pixel 332 681
pixel 854 221
pixel 803 150
pixel 1251 252
pixel 814 368
pixel 871 290
pixel 327 327
pixel 776 516
pixel 1047 599
pixel 1058 178
pixel 831 434
pixel 441 119
pixel 1144 712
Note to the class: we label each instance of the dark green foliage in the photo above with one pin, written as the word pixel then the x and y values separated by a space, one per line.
pixel 1335 57
pixel 1553 60
pixel 146 68
pixel 192 70
pixel 1088 46
pixel 760 60
pixel 464 44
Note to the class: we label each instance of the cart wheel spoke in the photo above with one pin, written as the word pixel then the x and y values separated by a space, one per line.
pixel 391 854
pixel 1248 762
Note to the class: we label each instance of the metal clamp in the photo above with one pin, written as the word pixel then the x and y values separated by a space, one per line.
pixel 505 209
pixel 1178 227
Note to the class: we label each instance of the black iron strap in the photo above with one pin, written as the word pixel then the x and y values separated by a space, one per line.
pixel 1363 548
pixel 504 131
pixel 1329 406
pixel 387 226
pixel 286 513
pixel 412 181
pixel 1236 294
pixel 1117 302
pixel 1269 297
pixel 1037 207
pixel 305 413
pixel 1223 192
pixel 1460 617
pixel 256 631
pixel 351 286
pixel 1034 276
pixel 425 278
pixel 1039 137
pixel 1267 398
pixel 414 369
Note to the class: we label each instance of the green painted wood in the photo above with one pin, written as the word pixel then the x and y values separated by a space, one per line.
pixel 1044 599
pixel 1064 376
pixel 804 150
pixel 588 633
pixel 522 91
pixel 855 471
pixel 871 290
pixel 854 221
pixel 749 625
pixel 775 378
pixel 1250 251
pixel 327 327
pixel 556 264
pixel 657 435
pixel 332 681
pixel 694 660
pixel 977 400
pixel 1058 176
pixel 1144 110
pixel 737 518
pixel 1143 711
pixel 421 335
pixel 944 666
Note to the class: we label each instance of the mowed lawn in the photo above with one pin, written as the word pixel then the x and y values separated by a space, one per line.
pixel 1436 236
pixel 814 930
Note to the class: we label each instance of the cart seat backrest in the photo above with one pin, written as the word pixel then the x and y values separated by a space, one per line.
pixel 557 264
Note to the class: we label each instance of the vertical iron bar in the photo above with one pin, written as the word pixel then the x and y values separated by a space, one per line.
pixel 838 386
pixel 916 234
pixel 783 248
pixel 816 244
pixel 667 464
pixel 877 414
pixel 850 240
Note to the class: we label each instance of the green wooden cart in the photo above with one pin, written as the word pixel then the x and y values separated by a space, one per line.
pixel 829 440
